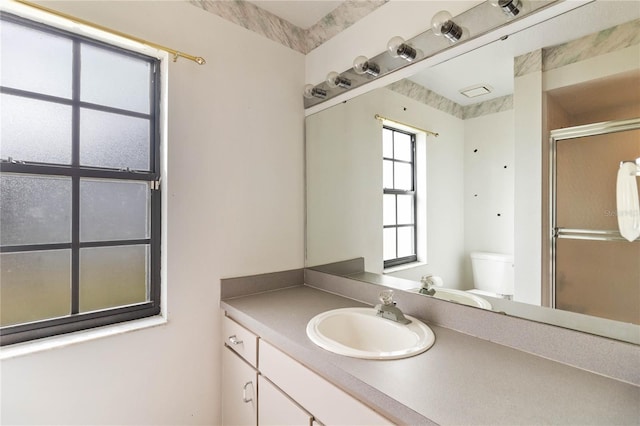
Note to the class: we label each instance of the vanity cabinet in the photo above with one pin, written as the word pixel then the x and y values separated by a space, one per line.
pixel 277 409
pixel 239 391
pixel 239 375
pixel 240 340
pixel 263 386
pixel 329 404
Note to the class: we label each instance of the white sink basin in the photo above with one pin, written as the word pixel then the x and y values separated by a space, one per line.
pixel 359 333
pixel 460 296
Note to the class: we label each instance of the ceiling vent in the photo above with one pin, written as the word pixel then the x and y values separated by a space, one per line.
pixel 478 90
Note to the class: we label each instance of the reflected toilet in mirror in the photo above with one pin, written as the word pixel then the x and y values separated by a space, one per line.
pixel 486 183
pixel 492 275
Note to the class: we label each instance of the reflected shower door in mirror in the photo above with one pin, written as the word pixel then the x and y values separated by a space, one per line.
pixel 595 270
pixel 483 185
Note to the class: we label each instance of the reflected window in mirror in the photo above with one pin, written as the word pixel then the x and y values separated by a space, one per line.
pixel 399 197
pixel 574 69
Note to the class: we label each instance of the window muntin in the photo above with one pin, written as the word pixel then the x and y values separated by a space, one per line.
pixel 399 197
pixel 80 204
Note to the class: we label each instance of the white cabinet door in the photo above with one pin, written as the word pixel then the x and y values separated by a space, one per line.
pixel 328 404
pixel 239 391
pixel 277 409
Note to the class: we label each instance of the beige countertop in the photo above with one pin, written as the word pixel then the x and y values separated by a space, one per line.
pixel 461 380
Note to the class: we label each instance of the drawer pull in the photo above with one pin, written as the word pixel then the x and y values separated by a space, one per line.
pixel 244 392
pixel 234 340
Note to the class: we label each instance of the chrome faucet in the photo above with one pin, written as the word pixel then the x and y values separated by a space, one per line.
pixel 387 308
pixel 427 285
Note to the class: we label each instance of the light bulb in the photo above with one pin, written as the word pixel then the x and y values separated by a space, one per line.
pixel 336 80
pixel 362 65
pixel 511 8
pixel 310 91
pixel 399 49
pixel 394 45
pixel 442 24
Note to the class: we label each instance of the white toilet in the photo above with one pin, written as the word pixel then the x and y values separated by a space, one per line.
pixel 492 274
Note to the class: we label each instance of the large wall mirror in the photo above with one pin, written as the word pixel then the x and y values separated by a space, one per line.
pixel 382 186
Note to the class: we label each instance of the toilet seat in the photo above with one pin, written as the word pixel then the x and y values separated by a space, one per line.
pixel 488 294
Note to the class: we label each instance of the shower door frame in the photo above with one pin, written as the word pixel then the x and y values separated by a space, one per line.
pixel 575 132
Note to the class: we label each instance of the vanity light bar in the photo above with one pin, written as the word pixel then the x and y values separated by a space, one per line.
pixel 469 25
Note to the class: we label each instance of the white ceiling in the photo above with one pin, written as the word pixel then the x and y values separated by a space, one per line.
pixel 301 13
pixel 493 63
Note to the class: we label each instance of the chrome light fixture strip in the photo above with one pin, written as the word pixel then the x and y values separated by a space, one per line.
pixel 478 21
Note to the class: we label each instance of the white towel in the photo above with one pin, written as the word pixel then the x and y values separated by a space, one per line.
pixel 628 203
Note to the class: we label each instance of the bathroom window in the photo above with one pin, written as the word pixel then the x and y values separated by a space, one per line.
pixel 79 182
pixel 399 197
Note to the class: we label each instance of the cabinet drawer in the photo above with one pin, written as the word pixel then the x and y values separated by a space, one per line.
pixel 240 340
pixel 328 404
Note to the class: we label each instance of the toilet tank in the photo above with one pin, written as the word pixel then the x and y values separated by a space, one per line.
pixel 493 272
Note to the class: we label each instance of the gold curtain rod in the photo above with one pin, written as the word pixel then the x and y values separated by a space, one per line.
pixel 429 132
pixel 197 59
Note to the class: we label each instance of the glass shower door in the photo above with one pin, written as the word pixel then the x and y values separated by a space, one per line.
pixel 594 270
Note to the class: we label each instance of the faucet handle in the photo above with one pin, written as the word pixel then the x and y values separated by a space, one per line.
pixel 386 297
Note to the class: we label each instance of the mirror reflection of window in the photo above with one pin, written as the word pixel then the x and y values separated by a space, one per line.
pixel 399 199
pixel 578 68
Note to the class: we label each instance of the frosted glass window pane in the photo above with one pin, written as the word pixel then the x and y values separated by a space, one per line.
pixel 34 286
pixel 113 79
pixel 389 243
pixel 387 174
pixel 389 209
pixel 387 143
pixel 34 210
pixel 113 276
pixel 405 209
pixel 403 176
pixel 113 141
pixel 35 61
pixel 47 142
pixel 405 241
pixel 113 210
pixel 402 147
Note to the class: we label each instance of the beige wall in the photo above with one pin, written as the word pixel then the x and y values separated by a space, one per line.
pixel 489 186
pixel 234 189
pixel 527 99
